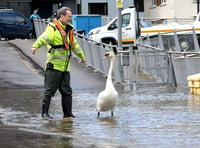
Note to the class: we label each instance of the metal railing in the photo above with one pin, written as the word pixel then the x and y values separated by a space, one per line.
pixel 159 60
pixel 94 53
pixel 40 25
pixel 176 55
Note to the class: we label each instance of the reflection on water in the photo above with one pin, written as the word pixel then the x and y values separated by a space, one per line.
pixel 155 117
pixel 194 100
pixel 111 121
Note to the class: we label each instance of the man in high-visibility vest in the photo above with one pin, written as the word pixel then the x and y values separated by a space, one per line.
pixel 60 42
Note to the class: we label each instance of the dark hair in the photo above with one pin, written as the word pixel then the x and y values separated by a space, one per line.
pixel 62 11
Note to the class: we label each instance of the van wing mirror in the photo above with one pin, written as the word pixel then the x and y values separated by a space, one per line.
pixel 112 27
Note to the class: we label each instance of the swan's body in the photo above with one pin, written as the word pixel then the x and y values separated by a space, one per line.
pixel 107 98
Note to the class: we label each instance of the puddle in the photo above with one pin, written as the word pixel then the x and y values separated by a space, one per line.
pixel 148 117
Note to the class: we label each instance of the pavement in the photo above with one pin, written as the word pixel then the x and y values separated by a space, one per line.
pixel 25 45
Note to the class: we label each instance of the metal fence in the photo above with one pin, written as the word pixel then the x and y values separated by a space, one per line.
pixel 40 25
pixel 94 53
pixel 175 54
pixel 162 59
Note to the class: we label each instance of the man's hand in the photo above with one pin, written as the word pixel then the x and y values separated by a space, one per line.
pixel 83 61
pixel 33 50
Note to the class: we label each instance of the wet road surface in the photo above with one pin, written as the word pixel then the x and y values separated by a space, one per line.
pixel 16 70
pixel 147 117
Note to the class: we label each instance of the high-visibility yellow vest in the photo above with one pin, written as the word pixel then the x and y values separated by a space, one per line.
pixel 57 53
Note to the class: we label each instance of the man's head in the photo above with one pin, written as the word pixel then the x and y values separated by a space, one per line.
pixel 64 14
pixel 35 11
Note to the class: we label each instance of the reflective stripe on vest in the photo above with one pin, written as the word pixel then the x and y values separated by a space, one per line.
pixel 64 35
pixel 50 58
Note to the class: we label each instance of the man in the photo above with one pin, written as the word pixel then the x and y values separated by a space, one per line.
pixel 60 42
pixel 32 17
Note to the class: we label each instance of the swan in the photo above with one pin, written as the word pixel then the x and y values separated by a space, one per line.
pixel 107 98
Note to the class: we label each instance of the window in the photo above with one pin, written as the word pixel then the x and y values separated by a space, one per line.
pixel 7 17
pixel 153 2
pixel 158 2
pixel 126 20
pixel 163 1
pixel 98 8
pixel 20 19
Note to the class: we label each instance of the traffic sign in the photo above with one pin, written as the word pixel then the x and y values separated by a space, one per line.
pixel 119 3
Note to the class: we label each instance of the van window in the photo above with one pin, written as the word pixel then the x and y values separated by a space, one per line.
pixel 126 20
pixel 6 17
pixel 20 19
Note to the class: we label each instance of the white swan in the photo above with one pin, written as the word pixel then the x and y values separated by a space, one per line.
pixel 107 98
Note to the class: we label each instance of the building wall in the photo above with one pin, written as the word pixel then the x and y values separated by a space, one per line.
pixel 46 8
pixel 188 9
pixel 17 5
pixel 173 9
pixel 71 4
pixel 112 10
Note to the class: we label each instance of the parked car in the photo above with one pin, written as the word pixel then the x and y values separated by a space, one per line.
pixel 14 25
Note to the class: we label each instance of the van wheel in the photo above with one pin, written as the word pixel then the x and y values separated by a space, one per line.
pixel 186 44
pixel 0 35
pixel 109 41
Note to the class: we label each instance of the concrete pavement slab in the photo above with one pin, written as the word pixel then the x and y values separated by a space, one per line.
pixel 25 45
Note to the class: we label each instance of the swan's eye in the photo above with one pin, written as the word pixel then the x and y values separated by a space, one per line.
pixel 107 54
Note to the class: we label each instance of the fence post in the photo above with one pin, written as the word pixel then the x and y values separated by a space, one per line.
pixel 131 67
pixel 136 66
pixel 171 73
pixel 176 41
pixel 161 45
pixel 196 44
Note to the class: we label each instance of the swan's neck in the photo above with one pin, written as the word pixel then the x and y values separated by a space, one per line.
pixel 109 78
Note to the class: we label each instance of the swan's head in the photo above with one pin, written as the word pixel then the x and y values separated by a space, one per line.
pixel 109 55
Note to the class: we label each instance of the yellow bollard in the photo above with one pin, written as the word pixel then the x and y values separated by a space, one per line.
pixel 194 84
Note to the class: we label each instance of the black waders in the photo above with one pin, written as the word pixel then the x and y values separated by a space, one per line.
pixel 45 107
pixel 67 106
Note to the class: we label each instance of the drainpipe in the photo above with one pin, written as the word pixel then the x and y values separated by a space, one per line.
pixel 197 6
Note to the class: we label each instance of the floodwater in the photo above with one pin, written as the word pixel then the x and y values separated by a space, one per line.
pixel 147 117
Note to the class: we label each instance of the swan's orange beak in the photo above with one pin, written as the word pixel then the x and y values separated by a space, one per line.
pixel 105 57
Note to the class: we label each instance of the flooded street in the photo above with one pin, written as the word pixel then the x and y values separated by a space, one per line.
pixel 148 117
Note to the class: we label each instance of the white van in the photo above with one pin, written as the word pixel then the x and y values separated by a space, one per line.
pixel 109 33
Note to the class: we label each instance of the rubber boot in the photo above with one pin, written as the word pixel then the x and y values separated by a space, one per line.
pixel 67 106
pixel 45 107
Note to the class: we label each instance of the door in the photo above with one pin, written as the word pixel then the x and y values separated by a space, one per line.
pixel 7 24
pixel 22 26
pixel 127 29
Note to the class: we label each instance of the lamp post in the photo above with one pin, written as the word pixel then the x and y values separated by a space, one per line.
pixel 136 4
pixel 119 5
pixel 197 6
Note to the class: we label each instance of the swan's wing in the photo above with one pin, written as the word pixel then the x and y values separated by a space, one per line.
pixel 106 100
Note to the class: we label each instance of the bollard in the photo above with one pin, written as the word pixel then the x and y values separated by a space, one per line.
pixel 194 84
